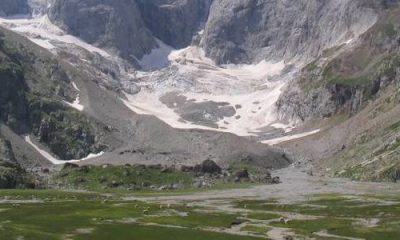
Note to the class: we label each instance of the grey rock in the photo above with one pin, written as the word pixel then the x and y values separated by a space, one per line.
pixel 208 167
pixel 175 22
pixel 244 31
pixel 13 7
pixel 242 175
pixel 116 25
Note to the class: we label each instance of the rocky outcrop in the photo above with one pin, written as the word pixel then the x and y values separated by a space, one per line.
pixel 11 173
pixel 245 31
pixel 33 87
pixel 13 7
pixel 115 25
pixel 175 22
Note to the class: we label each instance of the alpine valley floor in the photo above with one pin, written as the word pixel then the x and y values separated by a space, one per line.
pixel 302 207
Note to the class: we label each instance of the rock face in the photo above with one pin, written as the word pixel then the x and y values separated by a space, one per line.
pixel 33 88
pixel 13 7
pixel 131 27
pixel 245 31
pixel 345 81
pixel 115 25
pixel 175 22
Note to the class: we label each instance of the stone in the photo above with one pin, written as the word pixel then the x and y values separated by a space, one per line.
pixel 208 167
pixel 242 175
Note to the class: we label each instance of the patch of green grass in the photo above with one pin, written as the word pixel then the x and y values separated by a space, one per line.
pixel 122 177
pixel 349 81
pixel 310 67
pixel 393 127
pixel 13 194
pixel 252 169
pixel 196 219
pixel 256 229
pixel 263 215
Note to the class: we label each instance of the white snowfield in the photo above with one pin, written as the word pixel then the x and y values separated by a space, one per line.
pixel 252 88
pixel 42 32
pixel 55 161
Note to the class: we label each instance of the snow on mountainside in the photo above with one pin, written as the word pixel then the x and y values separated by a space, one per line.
pixel 188 90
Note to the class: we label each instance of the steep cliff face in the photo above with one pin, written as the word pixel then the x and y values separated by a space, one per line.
pixel 344 78
pixel 115 25
pixel 245 31
pixel 175 22
pixel 13 7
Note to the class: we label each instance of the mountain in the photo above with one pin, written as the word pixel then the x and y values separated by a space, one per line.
pixel 181 81
pixel 67 114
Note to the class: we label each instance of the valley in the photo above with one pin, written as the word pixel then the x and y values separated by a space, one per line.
pixel 203 119
pixel 302 207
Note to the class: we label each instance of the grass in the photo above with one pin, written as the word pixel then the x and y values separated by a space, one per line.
pixel 256 229
pixel 122 177
pixel 338 215
pixel 72 215
pixel 196 219
pixel 84 216
pixel 27 194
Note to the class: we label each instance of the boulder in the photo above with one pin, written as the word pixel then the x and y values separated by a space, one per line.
pixel 208 166
pixel 242 175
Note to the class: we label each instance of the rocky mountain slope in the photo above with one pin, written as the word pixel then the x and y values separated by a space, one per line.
pixel 359 88
pixel 71 119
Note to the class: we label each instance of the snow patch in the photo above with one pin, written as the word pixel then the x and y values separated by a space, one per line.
pixel 55 161
pixel 75 86
pixel 147 104
pixel 288 138
pixel 286 128
pixel 76 104
pixel 43 32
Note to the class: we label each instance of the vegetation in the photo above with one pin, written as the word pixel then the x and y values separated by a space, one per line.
pixel 137 177
pixel 77 215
